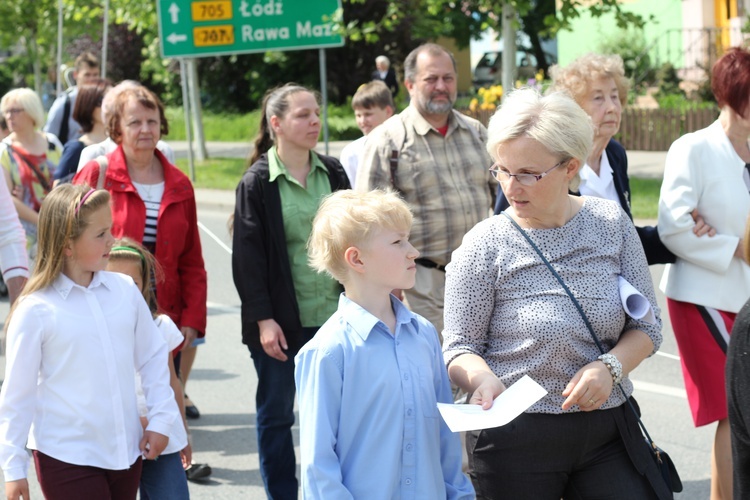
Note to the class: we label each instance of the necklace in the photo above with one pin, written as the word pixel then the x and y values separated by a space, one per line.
pixel 147 190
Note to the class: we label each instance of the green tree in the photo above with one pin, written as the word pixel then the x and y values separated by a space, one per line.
pixel 463 19
pixel 32 26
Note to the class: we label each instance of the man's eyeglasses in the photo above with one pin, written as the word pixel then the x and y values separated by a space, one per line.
pixel 524 179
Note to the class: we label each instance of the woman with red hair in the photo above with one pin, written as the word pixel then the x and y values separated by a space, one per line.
pixel 708 170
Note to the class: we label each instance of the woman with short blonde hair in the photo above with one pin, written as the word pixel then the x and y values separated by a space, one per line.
pixel 506 316
pixel 28 157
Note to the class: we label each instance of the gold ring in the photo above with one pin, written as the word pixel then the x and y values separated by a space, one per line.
pixel 592 402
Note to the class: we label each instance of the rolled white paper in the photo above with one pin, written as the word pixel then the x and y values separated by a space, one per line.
pixel 635 304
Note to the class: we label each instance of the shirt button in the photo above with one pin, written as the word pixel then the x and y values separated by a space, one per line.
pixel 408 412
pixel 406 376
pixel 408 482
pixel 408 447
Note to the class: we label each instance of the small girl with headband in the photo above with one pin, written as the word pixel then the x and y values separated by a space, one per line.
pixel 164 479
pixel 75 339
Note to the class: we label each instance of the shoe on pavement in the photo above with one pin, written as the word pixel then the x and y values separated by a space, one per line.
pixel 198 471
pixel 191 411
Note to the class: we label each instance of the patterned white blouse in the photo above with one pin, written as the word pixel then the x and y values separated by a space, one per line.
pixel 503 304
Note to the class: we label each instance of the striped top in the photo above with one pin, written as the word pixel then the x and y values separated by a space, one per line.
pixel 151 194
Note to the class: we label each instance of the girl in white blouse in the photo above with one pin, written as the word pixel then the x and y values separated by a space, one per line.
pixel 75 339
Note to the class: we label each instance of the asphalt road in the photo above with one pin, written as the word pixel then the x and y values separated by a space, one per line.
pixel 223 383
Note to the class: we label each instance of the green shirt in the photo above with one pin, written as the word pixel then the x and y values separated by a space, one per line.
pixel 317 293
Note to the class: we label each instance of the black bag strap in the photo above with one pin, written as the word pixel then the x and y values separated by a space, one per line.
pixel 583 316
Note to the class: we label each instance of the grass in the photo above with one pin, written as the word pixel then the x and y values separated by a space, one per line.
pixel 216 173
pixel 229 127
pixel 237 127
pixel 645 197
pixel 225 173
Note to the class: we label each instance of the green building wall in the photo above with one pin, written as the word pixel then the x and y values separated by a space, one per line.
pixel 588 33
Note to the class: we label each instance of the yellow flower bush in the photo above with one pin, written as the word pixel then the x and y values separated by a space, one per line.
pixel 490 98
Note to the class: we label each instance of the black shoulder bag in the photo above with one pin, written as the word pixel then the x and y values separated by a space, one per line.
pixel 663 461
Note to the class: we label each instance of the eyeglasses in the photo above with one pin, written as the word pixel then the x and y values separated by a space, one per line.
pixel 13 111
pixel 524 179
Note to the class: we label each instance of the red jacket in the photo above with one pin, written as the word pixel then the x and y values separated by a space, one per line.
pixel 182 293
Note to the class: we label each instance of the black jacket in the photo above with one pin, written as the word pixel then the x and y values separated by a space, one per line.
pixel 390 80
pixel 656 252
pixel 260 262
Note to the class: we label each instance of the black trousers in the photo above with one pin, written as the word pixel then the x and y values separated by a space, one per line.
pixel 571 456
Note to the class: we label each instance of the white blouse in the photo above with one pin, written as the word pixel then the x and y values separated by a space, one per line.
pixel 72 355
pixel 600 186
pixel 13 260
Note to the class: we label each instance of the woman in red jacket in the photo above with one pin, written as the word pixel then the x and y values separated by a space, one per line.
pixel 154 203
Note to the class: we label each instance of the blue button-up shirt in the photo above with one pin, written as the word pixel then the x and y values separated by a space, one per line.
pixel 369 423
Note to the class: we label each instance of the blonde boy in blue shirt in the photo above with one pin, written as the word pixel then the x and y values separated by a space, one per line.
pixel 369 381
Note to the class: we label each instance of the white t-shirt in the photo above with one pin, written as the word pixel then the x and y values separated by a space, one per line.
pixel 173 337
pixel 350 156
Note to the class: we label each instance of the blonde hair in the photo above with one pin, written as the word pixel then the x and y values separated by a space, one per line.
pixel 553 120
pixel 64 215
pixel 576 77
pixel 29 101
pixel 348 218
pixel 127 249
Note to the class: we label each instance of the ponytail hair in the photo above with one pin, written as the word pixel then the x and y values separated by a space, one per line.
pixel 275 103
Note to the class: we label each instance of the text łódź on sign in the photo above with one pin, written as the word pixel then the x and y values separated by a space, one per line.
pixel 216 27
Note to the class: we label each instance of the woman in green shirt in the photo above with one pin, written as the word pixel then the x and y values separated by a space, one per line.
pixel 283 300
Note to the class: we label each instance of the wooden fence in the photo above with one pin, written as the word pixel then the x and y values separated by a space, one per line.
pixel 645 129
pixel 657 129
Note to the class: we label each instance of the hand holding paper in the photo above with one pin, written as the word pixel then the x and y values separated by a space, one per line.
pixel 512 402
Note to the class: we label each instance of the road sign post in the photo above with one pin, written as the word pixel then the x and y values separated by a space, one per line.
pixel 221 27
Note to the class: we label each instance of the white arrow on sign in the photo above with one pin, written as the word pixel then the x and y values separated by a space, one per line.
pixel 174 10
pixel 174 38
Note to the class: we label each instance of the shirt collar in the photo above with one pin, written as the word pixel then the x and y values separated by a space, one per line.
pixel 605 171
pixel 276 168
pixel 65 285
pixel 363 323
pixel 422 126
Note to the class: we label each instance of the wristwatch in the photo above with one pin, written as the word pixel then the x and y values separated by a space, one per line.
pixel 613 365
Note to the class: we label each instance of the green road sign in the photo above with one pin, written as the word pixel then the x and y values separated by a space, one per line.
pixel 217 27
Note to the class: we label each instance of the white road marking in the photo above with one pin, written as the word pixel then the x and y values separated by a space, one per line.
pixel 664 390
pixel 217 306
pixel 215 238
pixel 667 355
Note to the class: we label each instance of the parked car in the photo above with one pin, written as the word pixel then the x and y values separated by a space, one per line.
pixel 489 69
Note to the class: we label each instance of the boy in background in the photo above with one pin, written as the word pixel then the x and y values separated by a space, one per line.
pixel 369 381
pixel 372 105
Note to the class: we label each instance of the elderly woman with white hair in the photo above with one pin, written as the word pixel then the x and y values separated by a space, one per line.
pixel 386 74
pixel 597 82
pixel 506 316
pixel 28 157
